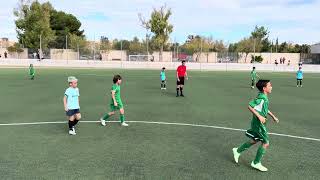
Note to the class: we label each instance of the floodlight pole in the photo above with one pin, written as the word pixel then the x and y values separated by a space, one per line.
pixel 254 51
pixel 40 47
pixel 66 42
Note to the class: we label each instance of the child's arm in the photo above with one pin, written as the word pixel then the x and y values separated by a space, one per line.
pixel 178 76
pixel 65 103
pixel 113 93
pixel 186 75
pixel 275 119
pixel 261 118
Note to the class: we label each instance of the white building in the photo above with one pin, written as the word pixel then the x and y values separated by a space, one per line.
pixel 315 49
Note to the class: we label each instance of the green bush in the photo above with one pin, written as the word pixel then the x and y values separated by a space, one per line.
pixel 257 59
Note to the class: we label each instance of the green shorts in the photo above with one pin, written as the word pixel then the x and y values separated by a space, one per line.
pixel 116 108
pixel 258 136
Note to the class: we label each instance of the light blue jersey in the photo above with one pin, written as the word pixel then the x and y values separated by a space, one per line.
pixel 163 76
pixel 299 74
pixel 72 95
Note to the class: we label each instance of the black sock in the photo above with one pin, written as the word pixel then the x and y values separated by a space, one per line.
pixel 70 125
pixel 177 91
pixel 300 82
pixel 181 89
pixel 164 85
pixel 75 122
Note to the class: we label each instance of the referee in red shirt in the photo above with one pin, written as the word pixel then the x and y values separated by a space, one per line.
pixel 181 75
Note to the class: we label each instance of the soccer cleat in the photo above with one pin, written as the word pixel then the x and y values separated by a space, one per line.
pixel 182 95
pixel 236 155
pixel 103 122
pixel 72 132
pixel 259 167
pixel 124 124
pixel 164 88
pixel 297 86
pixel 252 87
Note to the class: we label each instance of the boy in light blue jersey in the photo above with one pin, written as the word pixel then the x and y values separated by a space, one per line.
pixel 71 104
pixel 299 77
pixel 163 79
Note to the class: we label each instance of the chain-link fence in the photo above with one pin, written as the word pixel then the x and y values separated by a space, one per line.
pixel 310 58
pixel 228 57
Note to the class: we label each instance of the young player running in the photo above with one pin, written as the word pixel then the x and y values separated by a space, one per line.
pixel 254 77
pixel 71 104
pixel 258 132
pixel 31 72
pixel 181 76
pixel 116 102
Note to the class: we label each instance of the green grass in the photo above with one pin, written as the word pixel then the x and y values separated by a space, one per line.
pixel 146 151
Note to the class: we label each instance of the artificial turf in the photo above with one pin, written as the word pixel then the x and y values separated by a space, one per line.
pixel 154 151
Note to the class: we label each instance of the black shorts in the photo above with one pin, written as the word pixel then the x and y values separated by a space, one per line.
pixel 181 82
pixel 72 112
pixel 299 79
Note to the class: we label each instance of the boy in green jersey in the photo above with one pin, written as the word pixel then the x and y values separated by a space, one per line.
pixel 163 79
pixel 259 107
pixel 31 72
pixel 116 102
pixel 254 76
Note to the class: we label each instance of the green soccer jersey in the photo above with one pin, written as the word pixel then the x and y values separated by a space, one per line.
pixel 31 71
pixel 261 105
pixel 253 75
pixel 117 95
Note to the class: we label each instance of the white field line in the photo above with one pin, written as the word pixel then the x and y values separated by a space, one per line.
pixel 164 123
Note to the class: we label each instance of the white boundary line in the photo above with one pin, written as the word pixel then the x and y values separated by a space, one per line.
pixel 163 123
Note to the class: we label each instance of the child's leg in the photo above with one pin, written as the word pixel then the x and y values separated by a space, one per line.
pixel 71 121
pixel 300 82
pixel 77 118
pixel 122 118
pixel 261 151
pixel 246 146
pixel 252 83
pixel 164 84
pixel 297 82
pixel 108 115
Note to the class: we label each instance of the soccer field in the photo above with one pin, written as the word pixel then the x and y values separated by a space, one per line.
pixel 174 148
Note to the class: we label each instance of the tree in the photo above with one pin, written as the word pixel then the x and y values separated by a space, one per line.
pixel 33 21
pixel 64 25
pixel 105 45
pixel 159 26
pixel 118 43
pixel 77 42
pixel 136 47
pixel 260 34
pixel 245 46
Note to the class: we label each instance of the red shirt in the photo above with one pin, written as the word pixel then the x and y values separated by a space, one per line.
pixel 182 71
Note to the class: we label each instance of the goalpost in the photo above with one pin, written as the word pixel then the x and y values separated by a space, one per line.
pixel 141 58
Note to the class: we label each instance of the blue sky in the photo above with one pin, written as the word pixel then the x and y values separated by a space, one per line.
pixel 231 20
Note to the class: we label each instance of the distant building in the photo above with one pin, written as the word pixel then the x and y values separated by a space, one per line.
pixel 315 49
pixel 4 43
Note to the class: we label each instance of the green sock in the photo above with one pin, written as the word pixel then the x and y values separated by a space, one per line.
pixel 105 117
pixel 121 118
pixel 259 155
pixel 244 147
